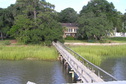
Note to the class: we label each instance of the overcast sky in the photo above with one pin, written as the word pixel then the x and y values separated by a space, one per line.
pixel 120 5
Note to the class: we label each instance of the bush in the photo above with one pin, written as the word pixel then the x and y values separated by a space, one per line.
pixel 7 43
pixel 48 43
pixel 91 41
pixel 69 38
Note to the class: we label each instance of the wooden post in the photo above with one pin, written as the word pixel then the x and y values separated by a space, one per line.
pixel 58 58
pixel 98 73
pixel 79 81
pixel 65 63
pixel 67 67
pixel 72 73
pixel 61 59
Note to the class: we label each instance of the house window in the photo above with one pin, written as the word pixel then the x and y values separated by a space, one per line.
pixel 74 30
pixel 69 30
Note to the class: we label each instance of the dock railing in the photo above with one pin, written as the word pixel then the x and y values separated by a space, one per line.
pixel 97 70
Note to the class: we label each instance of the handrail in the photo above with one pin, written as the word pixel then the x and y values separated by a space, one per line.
pixel 89 63
pixel 73 65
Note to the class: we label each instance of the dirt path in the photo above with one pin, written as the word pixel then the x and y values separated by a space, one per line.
pixel 76 44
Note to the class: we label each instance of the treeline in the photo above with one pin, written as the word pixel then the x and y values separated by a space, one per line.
pixel 31 21
pixel 97 20
pixel 36 21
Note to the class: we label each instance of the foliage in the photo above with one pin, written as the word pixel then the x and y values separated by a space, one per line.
pixel 101 6
pixel 68 15
pixel 124 23
pixel 7 43
pixel 97 19
pixel 119 22
pixel 6 21
pixel 94 27
pixel 35 21
pixel 69 38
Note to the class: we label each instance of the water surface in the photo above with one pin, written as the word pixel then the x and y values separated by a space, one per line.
pixel 40 72
pixel 43 72
pixel 116 67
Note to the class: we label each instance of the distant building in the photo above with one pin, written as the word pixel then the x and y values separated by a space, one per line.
pixel 70 29
pixel 117 34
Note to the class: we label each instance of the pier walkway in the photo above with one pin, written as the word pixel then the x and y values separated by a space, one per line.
pixel 86 71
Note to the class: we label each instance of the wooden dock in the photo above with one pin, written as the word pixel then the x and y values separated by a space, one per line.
pixel 111 82
pixel 86 75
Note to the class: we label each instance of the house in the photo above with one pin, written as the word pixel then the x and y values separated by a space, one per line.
pixel 117 34
pixel 70 29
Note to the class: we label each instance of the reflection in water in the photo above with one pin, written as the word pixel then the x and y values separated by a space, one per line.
pixel 116 67
pixel 120 69
pixel 40 72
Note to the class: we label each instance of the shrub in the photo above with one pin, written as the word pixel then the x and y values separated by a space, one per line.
pixel 69 38
pixel 7 43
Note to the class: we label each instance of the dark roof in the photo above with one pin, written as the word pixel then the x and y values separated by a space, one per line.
pixel 69 24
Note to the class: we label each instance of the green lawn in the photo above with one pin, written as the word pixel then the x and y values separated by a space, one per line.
pixel 117 39
pixel 108 40
pixel 75 41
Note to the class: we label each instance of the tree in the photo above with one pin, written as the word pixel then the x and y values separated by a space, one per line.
pixel 97 19
pixel 6 21
pixel 36 22
pixel 93 27
pixel 68 15
pixel 124 23
pixel 102 6
pixel 119 22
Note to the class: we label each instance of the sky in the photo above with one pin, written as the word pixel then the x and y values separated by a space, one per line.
pixel 77 5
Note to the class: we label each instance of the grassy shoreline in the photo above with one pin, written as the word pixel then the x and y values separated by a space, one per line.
pixel 12 50
pixel 97 54
pixel 31 52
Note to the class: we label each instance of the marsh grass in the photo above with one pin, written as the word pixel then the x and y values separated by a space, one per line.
pixel 96 54
pixel 23 52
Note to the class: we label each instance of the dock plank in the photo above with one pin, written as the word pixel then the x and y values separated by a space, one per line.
pixel 111 82
pixel 82 71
